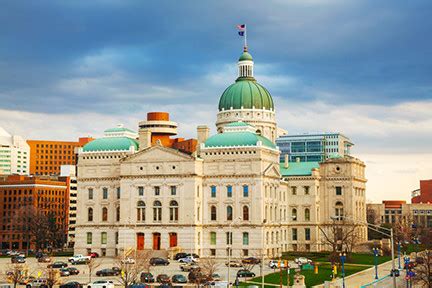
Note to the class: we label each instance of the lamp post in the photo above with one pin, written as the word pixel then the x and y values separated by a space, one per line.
pixel 262 252
pixel 406 261
pixel 399 255
pixel 376 253
pixel 343 258
pixel 230 247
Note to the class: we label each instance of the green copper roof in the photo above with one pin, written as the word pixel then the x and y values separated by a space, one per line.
pixel 111 144
pixel 119 129
pixel 245 56
pixel 238 124
pixel 246 93
pixel 298 168
pixel 237 139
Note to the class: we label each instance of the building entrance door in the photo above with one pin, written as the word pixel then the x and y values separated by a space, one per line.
pixel 140 241
pixel 156 241
pixel 173 239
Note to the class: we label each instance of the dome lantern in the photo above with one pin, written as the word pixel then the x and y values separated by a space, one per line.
pixel 245 64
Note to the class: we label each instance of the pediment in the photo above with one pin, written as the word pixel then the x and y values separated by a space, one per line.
pixel 272 171
pixel 158 153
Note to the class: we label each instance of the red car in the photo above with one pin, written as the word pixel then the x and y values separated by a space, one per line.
pixel 93 255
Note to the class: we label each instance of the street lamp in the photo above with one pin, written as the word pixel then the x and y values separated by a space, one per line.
pixel 376 253
pixel 343 258
pixel 399 254
pixel 230 246
pixel 406 261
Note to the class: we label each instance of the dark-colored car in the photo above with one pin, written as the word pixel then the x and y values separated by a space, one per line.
pixel 73 271
pixel 93 255
pixel 18 259
pixel 163 278
pixel 242 273
pixel 58 264
pixel 180 255
pixel 251 260
pixel 159 261
pixel 107 272
pixel 178 278
pixel 72 284
pixel 147 277
pixel 117 269
pixel 44 259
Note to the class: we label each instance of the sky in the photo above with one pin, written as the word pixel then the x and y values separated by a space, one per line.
pixel 362 68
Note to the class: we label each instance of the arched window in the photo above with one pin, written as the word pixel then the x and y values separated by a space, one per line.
pixel 118 214
pixel 141 211
pixel 213 214
pixel 245 213
pixel 90 214
pixel 339 213
pixel 229 213
pixel 104 214
pixel 157 211
pixel 307 214
pixel 173 211
pixel 294 214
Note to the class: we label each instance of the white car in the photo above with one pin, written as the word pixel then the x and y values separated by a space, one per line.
pixel 188 259
pixel 79 258
pixel 302 261
pixel 128 261
pixel 37 283
pixel 102 284
pixel 273 264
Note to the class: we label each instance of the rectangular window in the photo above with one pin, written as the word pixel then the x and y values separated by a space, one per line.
pixel 118 192
pixel 306 190
pixel 245 191
pixel 294 234
pixel 213 191
pixel 140 191
pixel 104 238
pixel 338 190
pixel 294 190
pixel 212 252
pixel 245 238
pixel 89 237
pixel 307 234
pixel 228 238
pixel 105 193
pixel 212 238
pixel 116 237
pixel 173 190
pixel 157 190
pixel 229 191
pixel 90 193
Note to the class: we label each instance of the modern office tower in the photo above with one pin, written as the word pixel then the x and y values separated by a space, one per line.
pixel 14 154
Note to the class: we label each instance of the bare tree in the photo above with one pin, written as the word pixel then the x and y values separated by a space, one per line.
pixel 52 276
pixel 92 265
pixel 423 270
pixel 208 267
pixel 131 265
pixel 15 273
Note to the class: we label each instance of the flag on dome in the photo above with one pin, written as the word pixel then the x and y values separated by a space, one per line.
pixel 241 29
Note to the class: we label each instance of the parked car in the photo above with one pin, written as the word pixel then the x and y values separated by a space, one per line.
pixel 64 272
pixel 128 260
pixel 163 278
pixel 180 255
pixel 243 273
pixel 58 264
pixel 188 259
pixel 233 263
pixel 72 284
pixel 93 255
pixel 147 277
pixel 107 272
pixel 44 259
pixel 273 264
pixel 102 284
pixel 302 261
pixel 251 260
pixel 117 269
pixel 73 271
pixel 79 258
pixel 159 261
pixel 186 267
pixel 42 283
pixel 18 259
pixel 178 278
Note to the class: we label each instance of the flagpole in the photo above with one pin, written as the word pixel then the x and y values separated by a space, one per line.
pixel 245 38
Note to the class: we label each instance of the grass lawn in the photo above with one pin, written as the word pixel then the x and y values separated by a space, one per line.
pixel 310 277
pixel 356 258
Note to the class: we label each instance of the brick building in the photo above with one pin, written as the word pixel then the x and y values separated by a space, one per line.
pixel 46 156
pixel 20 196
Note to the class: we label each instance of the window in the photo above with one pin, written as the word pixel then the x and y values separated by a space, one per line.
pixel 141 211
pixel 157 190
pixel 104 214
pixel 89 237
pixel 118 192
pixel 339 213
pixel 229 191
pixel 228 238
pixel 157 211
pixel 116 235
pixel 294 214
pixel 307 234
pixel 307 214
pixel 173 210
pixel 118 214
pixel 173 190
pixel 245 213
pixel 338 190
pixel 212 252
pixel 294 234
pixel 306 190
pixel 213 191
pixel 104 238
pixel 229 213
pixel 245 238
pixel 212 238
pixel 213 214
pixel 90 193
pixel 90 214
pixel 105 193
pixel 294 190
pixel 140 191
pixel 245 191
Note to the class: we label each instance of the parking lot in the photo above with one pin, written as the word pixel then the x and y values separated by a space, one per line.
pixel 83 277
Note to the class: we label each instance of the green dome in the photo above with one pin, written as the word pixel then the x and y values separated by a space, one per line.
pixel 246 93
pixel 111 144
pixel 245 56
pixel 237 139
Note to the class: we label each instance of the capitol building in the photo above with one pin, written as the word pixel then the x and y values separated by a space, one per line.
pixel 147 190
